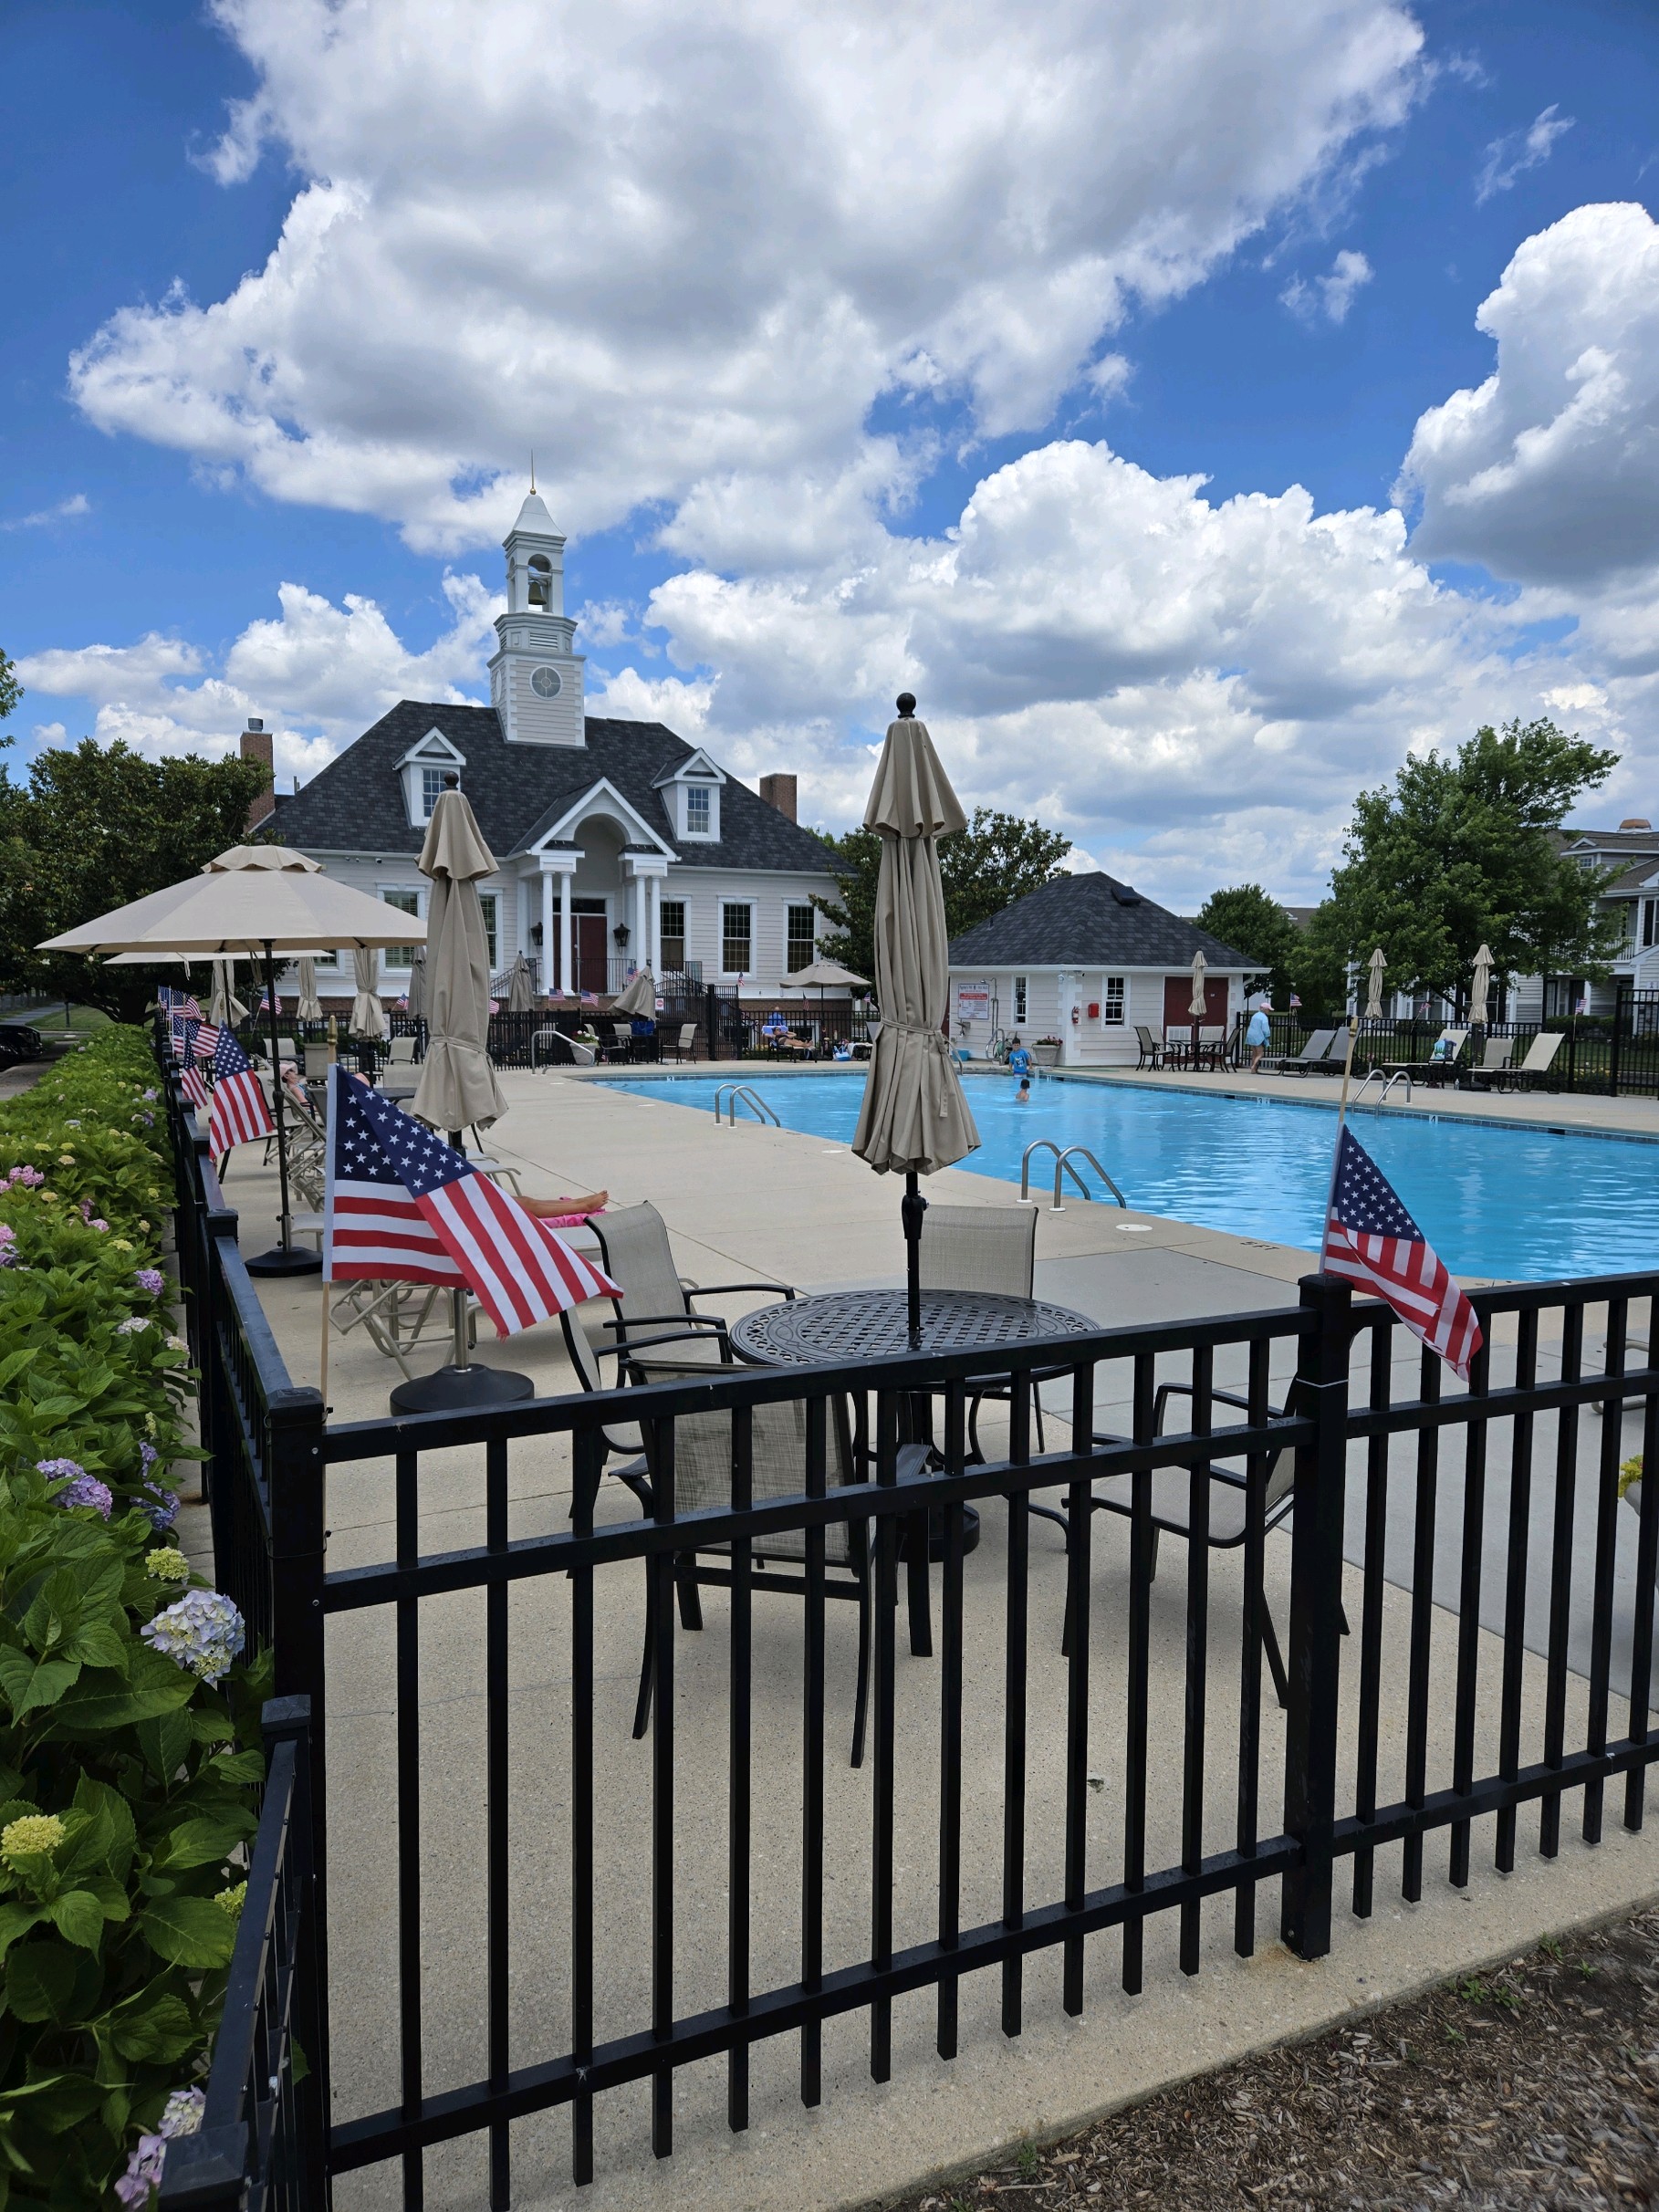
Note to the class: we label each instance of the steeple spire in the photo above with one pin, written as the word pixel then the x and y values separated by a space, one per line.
pixel 536 674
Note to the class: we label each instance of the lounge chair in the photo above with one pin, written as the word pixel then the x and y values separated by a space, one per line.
pixel 1447 1050
pixel 1311 1056
pixel 637 1256
pixel 1150 1047
pixel 1539 1060
pixel 1494 1061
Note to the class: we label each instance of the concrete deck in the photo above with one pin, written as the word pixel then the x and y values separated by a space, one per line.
pixel 768 1203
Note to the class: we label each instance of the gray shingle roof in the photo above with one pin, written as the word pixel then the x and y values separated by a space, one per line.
pixel 1092 921
pixel 356 803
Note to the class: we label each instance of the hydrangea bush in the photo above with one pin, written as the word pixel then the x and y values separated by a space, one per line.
pixel 129 1717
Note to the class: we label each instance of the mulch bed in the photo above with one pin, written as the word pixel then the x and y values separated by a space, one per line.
pixel 1534 2086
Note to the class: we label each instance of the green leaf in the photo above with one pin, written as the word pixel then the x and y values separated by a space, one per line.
pixel 189 1931
pixel 56 2101
pixel 199 1843
pixel 238 1767
pixel 16 1919
pixel 98 1643
pixel 80 1917
pixel 166 1742
pixel 157 2033
pixel 40 1980
pixel 101 1701
pixel 28 1683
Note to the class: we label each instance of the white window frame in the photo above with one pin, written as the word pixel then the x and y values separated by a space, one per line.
pixel 684 931
pixel 793 906
pixel 705 832
pixel 732 906
pixel 1021 999
pixel 393 894
pixel 1114 992
pixel 439 769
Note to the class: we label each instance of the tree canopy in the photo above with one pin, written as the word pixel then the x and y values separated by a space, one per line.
pixel 1253 922
pixel 997 859
pixel 11 690
pixel 1460 851
pixel 97 825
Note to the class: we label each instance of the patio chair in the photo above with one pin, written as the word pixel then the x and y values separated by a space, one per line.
pixel 1300 1063
pixel 636 1255
pixel 401 1052
pixel 703 1469
pixel 1494 1060
pixel 1172 1505
pixel 1150 1047
pixel 1177 1044
pixel 982 1248
pixel 1210 1049
pixel 684 1046
pixel 1539 1060
pixel 317 1063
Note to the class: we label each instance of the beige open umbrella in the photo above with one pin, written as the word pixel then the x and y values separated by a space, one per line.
pixel 368 1014
pixel 521 988
pixel 1373 997
pixel 640 997
pixel 827 975
pixel 914 1117
pixel 458 1085
pixel 310 1007
pixel 1480 986
pixel 262 856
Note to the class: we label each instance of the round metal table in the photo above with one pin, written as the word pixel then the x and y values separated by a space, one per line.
pixel 838 1327
pixel 846 1325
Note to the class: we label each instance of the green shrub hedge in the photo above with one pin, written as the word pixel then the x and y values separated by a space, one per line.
pixel 129 1728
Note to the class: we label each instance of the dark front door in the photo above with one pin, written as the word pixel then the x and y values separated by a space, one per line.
pixel 1178 1002
pixel 588 951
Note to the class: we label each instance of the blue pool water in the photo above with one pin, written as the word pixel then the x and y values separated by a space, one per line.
pixel 1517 1202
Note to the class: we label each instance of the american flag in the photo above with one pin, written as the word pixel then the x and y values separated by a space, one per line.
pixel 402 1205
pixel 240 1115
pixel 184 1029
pixel 1372 1239
pixel 206 1041
pixel 194 1086
pixel 178 1002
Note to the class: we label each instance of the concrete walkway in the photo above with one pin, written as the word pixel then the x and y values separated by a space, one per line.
pixel 758 1202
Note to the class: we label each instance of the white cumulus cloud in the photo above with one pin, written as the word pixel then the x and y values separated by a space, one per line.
pixel 662 245
pixel 1331 295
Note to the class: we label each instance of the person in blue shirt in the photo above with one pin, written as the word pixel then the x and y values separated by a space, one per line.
pixel 1259 1035
pixel 1020 1062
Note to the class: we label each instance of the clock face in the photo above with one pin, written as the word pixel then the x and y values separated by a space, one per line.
pixel 544 682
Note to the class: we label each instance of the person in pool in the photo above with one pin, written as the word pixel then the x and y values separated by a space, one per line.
pixel 1020 1063
pixel 1022 1097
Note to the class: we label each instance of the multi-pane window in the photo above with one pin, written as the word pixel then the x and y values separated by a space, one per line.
pixel 1112 1002
pixel 696 810
pixel 672 929
pixel 736 938
pixel 491 905
pixel 799 946
pixel 1019 1000
pixel 406 902
pixel 431 789
pixel 1650 922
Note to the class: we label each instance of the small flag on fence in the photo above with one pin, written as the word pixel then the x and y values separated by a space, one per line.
pixel 178 1002
pixel 183 1030
pixel 1372 1240
pixel 240 1115
pixel 194 1086
pixel 206 1041
pixel 402 1205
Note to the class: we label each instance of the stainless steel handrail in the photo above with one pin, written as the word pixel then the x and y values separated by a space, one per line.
pixel 1063 1167
pixel 731 1093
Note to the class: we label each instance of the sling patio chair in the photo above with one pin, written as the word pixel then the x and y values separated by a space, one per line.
pixel 1494 1061
pixel 684 1046
pixel 636 1255
pixel 1151 1048
pixel 1227 1516
pixel 703 1473
pixel 982 1248
pixel 1308 1060
pixel 1539 1060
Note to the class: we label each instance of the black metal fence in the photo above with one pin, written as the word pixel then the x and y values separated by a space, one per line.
pixel 1605 1055
pixel 1074 1756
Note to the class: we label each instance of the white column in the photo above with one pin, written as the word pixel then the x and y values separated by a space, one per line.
pixel 636 927
pixel 653 900
pixel 564 930
pixel 546 929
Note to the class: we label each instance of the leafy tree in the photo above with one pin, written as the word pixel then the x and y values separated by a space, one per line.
pixel 1460 851
pixel 93 828
pixel 11 690
pixel 997 859
pixel 1252 921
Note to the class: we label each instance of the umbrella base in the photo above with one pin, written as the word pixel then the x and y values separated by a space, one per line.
pixel 292 1259
pixel 454 1390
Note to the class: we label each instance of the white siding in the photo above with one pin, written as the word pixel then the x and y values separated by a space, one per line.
pixel 1051 993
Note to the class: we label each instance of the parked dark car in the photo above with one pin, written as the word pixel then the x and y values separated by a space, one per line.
pixel 19 1043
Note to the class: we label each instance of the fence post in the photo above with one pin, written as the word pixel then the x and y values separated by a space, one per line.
pixel 288 1720
pixel 1621 985
pixel 1314 1657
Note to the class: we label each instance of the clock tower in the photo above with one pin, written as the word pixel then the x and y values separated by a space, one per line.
pixel 536 678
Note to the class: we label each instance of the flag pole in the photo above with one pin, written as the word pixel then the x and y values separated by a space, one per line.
pixel 1336 1154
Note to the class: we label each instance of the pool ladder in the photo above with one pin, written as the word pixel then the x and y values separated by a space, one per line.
pixel 732 1093
pixel 1063 1167
pixel 1400 1075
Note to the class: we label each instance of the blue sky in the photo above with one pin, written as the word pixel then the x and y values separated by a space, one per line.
pixel 128 528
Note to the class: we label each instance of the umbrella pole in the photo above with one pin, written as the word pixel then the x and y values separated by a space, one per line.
pixel 461 1360
pixel 284 1260
pixel 910 1209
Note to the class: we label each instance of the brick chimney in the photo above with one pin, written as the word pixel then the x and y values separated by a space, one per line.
pixel 779 791
pixel 256 745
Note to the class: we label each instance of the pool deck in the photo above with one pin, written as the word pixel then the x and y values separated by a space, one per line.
pixel 757 1202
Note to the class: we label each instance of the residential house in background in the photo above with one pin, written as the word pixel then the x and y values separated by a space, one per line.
pixel 618 843
pixel 1086 959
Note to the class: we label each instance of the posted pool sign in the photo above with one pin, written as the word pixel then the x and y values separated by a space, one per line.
pixel 972 1002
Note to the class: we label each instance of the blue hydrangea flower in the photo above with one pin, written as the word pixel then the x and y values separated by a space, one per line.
pixel 164 1510
pixel 84 1491
pixel 151 1279
pixel 201 1631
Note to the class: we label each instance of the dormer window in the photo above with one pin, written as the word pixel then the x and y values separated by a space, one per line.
pixel 433 784
pixel 426 771
pixel 697 810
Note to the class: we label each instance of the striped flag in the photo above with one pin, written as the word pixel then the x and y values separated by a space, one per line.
pixel 183 1030
pixel 206 1041
pixel 402 1205
pixel 193 1084
pixel 1372 1240
pixel 178 1002
pixel 239 1115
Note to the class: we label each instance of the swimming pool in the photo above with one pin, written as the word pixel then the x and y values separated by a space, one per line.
pixel 1519 1203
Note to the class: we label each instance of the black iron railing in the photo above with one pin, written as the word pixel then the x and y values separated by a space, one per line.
pixel 1602 1055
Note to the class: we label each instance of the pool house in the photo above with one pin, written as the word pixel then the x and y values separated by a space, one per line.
pixel 1081 966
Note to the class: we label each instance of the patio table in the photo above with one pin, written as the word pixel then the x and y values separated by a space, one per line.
pixel 838 1327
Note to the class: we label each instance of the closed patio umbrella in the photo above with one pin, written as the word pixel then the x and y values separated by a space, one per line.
pixel 1373 997
pixel 521 989
pixel 458 1085
pixel 224 1010
pixel 310 1007
pixel 1480 987
pixel 640 997
pixel 1199 1006
pixel 914 1117
pixel 368 1016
